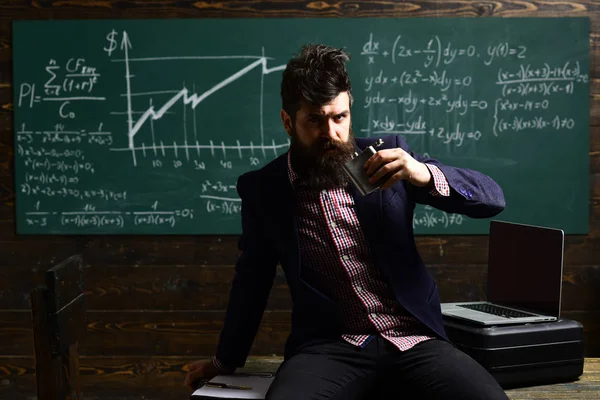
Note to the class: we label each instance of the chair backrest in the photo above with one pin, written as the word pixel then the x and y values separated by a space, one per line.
pixel 58 316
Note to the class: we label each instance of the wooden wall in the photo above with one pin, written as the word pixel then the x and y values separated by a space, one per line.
pixel 156 303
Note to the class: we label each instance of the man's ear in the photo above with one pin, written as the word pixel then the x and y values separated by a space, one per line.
pixel 287 122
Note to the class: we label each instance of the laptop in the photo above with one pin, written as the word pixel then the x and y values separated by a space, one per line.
pixel 524 281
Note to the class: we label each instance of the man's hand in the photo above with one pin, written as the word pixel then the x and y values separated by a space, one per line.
pixel 201 369
pixel 397 164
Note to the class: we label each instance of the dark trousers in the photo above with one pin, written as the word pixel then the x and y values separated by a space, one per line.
pixel 433 369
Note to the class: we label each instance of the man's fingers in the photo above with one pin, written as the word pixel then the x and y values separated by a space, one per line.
pixel 381 157
pixel 386 169
pixel 192 376
pixel 375 161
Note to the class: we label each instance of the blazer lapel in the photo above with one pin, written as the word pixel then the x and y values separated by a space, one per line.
pixel 285 217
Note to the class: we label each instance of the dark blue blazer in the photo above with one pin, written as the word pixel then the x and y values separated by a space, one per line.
pixel 270 237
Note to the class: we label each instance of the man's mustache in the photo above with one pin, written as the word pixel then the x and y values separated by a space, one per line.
pixel 328 144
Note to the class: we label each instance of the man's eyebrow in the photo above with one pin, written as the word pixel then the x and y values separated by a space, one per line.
pixel 333 113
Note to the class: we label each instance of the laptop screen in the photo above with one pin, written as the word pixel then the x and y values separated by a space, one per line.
pixel 525 267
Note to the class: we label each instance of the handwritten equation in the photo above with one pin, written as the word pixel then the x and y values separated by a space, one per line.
pixel 90 217
pixel 437 51
pixel 430 217
pixel 445 86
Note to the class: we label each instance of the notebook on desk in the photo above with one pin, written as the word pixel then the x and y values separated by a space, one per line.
pixel 524 282
pixel 235 386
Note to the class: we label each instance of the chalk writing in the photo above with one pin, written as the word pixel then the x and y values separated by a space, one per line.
pixel 384 89
pixel 90 216
pixel 430 218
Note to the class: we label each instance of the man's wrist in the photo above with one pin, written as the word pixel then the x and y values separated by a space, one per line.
pixel 421 176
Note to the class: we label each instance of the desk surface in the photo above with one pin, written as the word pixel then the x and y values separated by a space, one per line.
pixel 587 387
pixel 159 378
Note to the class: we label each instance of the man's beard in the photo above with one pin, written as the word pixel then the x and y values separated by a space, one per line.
pixel 320 169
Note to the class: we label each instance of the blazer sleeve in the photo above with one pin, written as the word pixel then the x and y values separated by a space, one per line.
pixel 254 273
pixel 472 193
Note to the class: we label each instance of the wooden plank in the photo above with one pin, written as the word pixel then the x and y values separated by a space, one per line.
pixel 178 287
pixel 465 250
pixel 41 252
pixel 6 157
pixel 56 9
pixel 64 282
pixel 222 250
pixel 580 289
pixel 48 369
pixel 578 249
pixel 154 378
pixel 129 333
pixel 219 250
pixel 141 332
pixel 7 202
pixel 71 322
pixel 595 153
pixel 130 250
pixel 206 287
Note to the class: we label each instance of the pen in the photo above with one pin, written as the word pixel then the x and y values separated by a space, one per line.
pixel 259 374
pixel 226 386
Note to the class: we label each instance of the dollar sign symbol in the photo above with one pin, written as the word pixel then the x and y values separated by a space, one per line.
pixel 113 43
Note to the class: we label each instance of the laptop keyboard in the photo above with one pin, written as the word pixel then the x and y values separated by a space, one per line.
pixel 496 310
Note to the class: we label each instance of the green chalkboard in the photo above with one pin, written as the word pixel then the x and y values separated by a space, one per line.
pixel 143 126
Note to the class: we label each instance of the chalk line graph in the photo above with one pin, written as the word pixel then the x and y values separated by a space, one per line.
pixel 188 98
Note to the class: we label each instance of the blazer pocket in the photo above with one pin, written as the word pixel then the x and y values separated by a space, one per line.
pixel 390 198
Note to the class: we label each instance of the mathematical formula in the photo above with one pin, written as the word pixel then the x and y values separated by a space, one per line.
pixel 395 90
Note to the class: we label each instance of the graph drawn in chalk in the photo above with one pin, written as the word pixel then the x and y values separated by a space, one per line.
pixel 190 98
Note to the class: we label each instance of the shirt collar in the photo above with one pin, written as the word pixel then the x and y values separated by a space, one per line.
pixel 294 178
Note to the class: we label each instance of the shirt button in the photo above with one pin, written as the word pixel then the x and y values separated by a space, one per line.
pixel 333 225
pixel 359 289
pixel 345 258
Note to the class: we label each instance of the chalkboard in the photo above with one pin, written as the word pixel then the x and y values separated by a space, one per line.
pixel 143 126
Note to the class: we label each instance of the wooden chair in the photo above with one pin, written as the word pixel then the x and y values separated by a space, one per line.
pixel 58 314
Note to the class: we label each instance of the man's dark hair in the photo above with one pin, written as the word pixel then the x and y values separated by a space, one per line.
pixel 316 75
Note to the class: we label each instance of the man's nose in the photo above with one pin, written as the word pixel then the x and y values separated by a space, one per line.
pixel 328 129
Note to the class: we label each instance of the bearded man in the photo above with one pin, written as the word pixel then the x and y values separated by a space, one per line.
pixel 366 320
